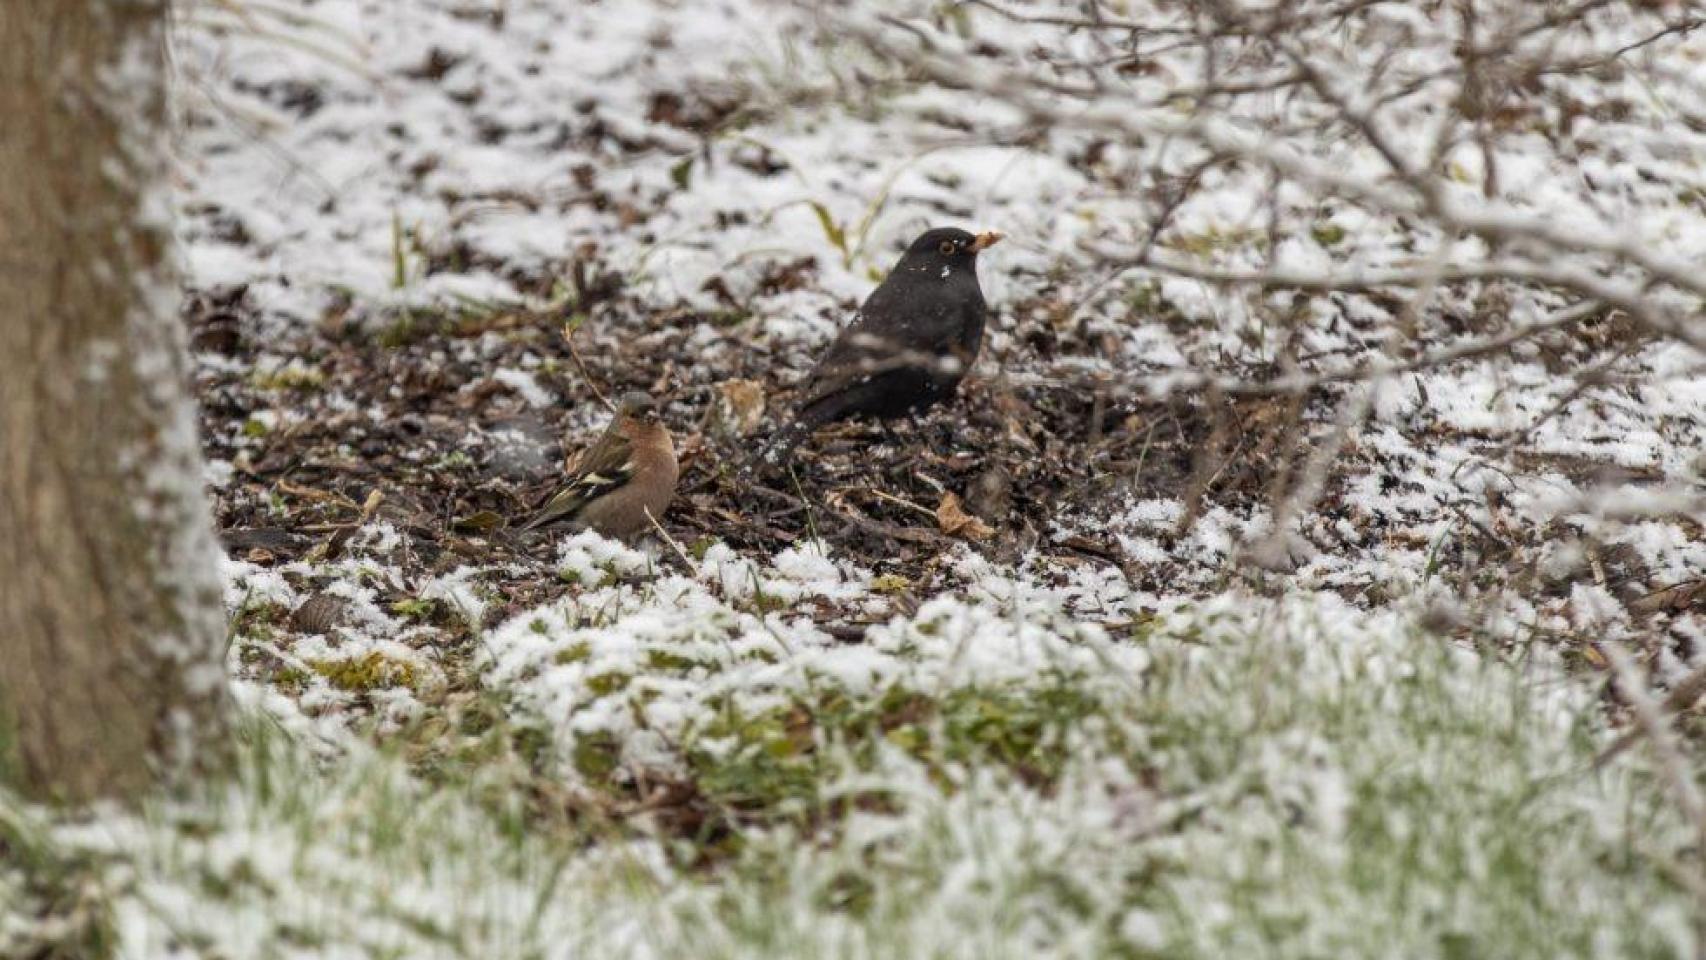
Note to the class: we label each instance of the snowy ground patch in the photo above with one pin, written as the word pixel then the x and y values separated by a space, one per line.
pixel 1291 777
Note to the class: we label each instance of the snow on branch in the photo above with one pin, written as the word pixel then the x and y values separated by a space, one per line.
pixel 1534 165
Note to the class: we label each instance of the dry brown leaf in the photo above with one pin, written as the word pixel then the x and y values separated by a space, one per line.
pixel 320 613
pixel 739 408
pixel 374 498
pixel 952 517
pixel 1672 599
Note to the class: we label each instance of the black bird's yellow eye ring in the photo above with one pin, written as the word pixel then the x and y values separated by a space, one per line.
pixel 948 247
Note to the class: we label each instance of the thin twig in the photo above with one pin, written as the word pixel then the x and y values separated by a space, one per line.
pixel 900 501
pixel 668 539
pixel 1682 697
pixel 592 384
pixel 1672 765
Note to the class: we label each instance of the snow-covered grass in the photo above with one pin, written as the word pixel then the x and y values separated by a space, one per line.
pixel 1286 778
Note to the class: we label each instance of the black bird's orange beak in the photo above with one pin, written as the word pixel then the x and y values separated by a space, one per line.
pixel 986 239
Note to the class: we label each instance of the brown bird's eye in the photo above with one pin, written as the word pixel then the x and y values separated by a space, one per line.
pixel 947 247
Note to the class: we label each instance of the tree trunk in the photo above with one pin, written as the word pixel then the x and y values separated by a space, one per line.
pixel 112 637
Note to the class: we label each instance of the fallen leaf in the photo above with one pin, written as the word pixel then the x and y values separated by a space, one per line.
pixel 320 613
pixel 952 517
pixel 739 408
pixel 1673 599
pixel 890 583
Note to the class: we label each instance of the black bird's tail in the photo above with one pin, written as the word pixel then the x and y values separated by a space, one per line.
pixel 777 449
pixel 774 452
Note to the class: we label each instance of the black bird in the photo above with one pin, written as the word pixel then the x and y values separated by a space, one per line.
pixel 908 347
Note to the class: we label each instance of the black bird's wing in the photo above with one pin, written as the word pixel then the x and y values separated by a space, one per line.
pixel 606 466
pixel 890 344
pixel 892 357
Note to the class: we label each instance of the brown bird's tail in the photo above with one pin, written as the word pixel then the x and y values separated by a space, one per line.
pixel 549 514
pixel 538 520
pixel 565 503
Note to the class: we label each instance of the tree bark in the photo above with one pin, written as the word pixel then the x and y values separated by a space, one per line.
pixel 112 635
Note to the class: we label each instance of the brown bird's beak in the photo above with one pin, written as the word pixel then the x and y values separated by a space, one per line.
pixel 986 239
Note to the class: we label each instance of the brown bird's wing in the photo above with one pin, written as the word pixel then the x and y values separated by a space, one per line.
pixel 606 466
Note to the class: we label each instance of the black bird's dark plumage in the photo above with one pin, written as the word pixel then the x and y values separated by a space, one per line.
pixel 908 347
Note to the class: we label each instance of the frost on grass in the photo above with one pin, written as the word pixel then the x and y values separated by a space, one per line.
pixel 355 656
pixel 1293 777
pixel 673 675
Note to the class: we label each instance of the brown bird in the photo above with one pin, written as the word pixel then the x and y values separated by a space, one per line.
pixel 908 347
pixel 629 473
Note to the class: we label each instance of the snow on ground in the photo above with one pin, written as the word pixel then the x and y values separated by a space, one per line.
pixel 437 153
pixel 806 753
pixel 1294 778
